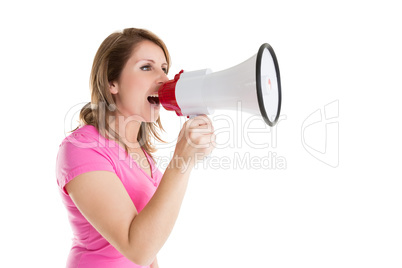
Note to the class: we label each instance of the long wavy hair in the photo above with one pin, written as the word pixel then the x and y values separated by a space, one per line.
pixel 108 64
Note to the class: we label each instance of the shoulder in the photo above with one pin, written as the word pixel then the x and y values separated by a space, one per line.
pixel 86 136
pixel 82 143
pixel 81 152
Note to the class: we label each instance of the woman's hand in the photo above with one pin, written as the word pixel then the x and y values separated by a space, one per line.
pixel 196 140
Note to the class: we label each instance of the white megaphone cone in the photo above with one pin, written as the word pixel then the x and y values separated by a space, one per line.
pixel 254 83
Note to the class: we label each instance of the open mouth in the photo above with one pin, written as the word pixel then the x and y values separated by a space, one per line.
pixel 153 99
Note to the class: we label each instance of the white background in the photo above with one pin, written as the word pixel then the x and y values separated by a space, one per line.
pixel 308 214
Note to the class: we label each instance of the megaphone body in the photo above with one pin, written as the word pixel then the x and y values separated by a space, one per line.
pixel 255 83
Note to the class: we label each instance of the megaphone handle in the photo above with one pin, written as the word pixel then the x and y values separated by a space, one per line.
pixel 191 117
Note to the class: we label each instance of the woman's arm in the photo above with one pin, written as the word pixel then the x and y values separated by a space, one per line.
pixel 103 200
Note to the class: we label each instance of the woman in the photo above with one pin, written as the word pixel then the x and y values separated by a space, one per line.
pixel 120 206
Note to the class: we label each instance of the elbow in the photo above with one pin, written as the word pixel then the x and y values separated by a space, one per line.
pixel 142 260
pixel 140 249
pixel 140 255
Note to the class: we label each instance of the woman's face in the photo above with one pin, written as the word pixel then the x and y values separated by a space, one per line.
pixel 143 74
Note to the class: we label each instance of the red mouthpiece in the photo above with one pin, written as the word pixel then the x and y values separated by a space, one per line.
pixel 167 96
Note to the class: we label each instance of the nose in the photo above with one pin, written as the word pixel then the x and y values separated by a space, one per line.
pixel 162 78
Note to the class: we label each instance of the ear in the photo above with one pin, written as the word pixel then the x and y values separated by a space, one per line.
pixel 113 87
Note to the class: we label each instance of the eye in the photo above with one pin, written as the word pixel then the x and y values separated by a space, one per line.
pixel 146 68
pixel 165 70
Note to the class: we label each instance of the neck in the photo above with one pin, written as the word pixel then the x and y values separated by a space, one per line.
pixel 127 128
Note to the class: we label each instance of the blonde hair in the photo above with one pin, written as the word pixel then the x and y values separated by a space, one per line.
pixel 107 66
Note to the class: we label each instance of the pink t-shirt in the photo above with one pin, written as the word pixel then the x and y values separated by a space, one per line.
pixel 86 150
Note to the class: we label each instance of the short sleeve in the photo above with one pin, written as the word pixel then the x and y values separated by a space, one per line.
pixel 74 159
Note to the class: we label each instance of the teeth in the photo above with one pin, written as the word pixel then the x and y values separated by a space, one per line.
pixel 153 99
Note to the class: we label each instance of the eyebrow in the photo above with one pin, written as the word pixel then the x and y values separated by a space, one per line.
pixel 151 61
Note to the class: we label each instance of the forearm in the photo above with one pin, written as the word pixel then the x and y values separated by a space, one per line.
pixel 150 229
pixel 152 226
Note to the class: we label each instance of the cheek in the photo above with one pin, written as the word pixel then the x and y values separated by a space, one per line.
pixel 132 89
pixel 133 99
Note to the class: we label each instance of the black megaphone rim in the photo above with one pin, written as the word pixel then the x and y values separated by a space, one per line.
pixel 259 87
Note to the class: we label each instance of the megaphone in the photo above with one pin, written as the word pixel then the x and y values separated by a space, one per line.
pixel 255 83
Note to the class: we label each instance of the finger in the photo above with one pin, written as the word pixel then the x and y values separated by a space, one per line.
pixel 200 119
pixel 201 122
